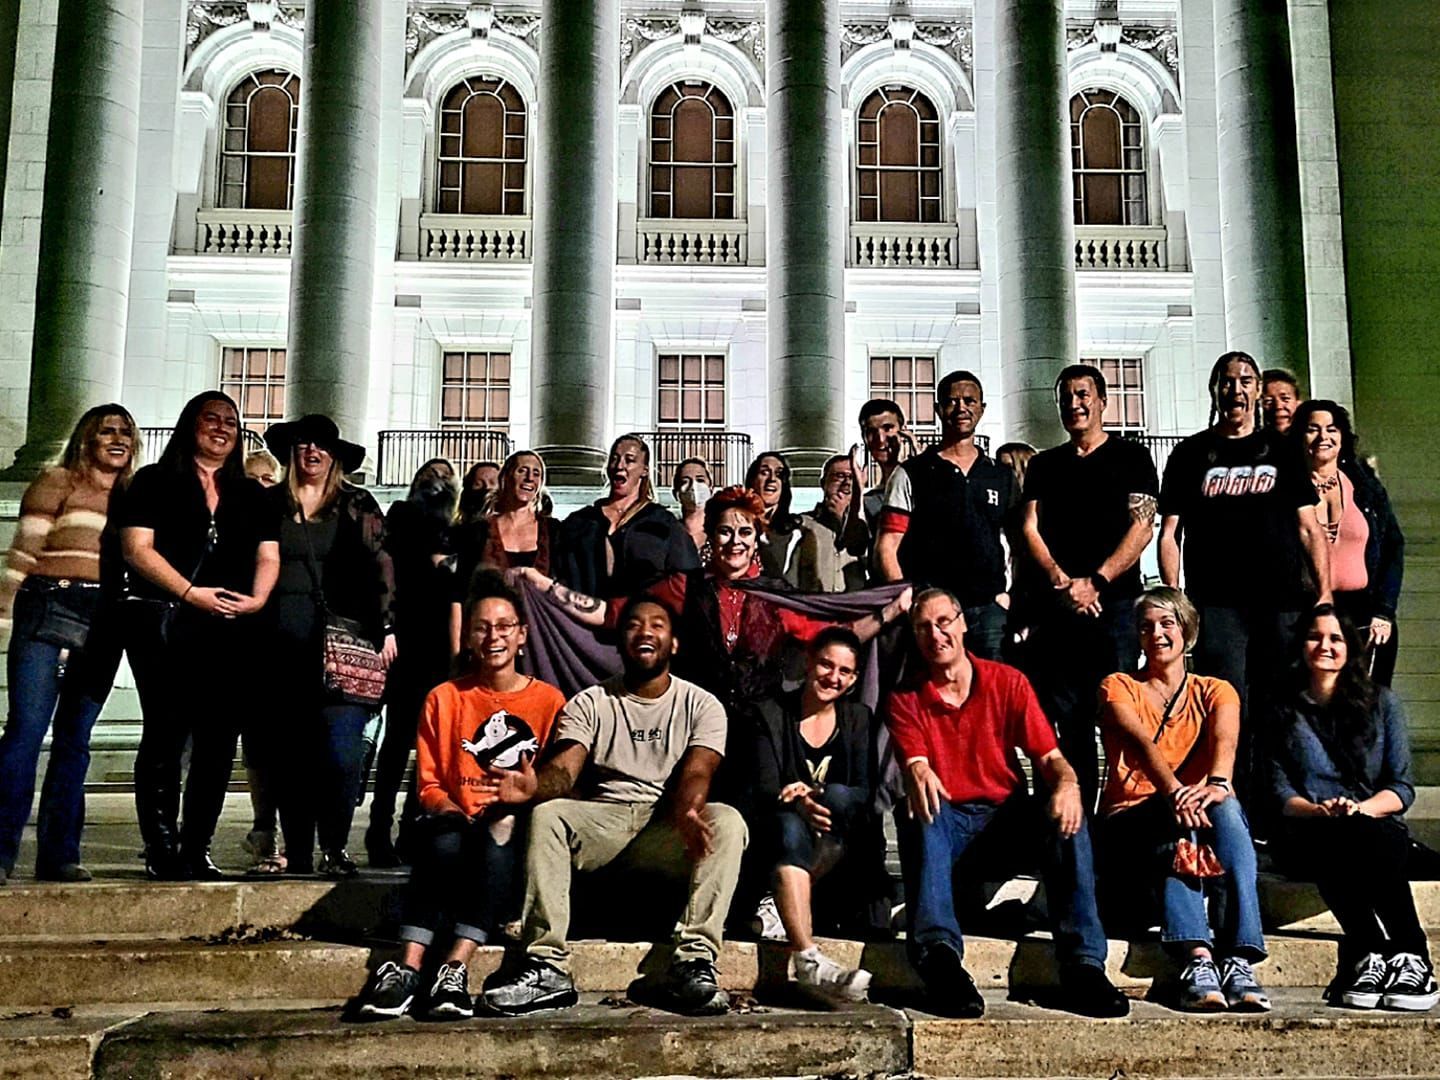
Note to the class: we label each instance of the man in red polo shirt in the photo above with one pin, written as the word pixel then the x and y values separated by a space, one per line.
pixel 958 732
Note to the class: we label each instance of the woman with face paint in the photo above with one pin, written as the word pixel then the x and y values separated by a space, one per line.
pixel 730 638
pixel 625 541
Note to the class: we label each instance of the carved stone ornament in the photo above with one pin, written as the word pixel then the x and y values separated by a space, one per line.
pixel 1161 42
pixel 954 38
pixel 426 22
pixel 204 17
pixel 636 34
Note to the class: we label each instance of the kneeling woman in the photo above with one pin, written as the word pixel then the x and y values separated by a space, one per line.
pixel 474 732
pixel 1341 762
pixel 812 781
pixel 1170 743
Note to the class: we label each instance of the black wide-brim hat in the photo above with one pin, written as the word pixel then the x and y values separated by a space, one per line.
pixel 317 429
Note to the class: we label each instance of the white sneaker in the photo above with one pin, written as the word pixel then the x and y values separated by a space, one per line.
pixel 767 921
pixel 816 971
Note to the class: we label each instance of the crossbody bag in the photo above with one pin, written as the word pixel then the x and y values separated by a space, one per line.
pixel 353 670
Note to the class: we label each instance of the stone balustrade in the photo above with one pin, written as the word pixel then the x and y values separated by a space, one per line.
pixel 243 232
pixel 904 244
pixel 693 242
pixel 475 238
pixel 1120 247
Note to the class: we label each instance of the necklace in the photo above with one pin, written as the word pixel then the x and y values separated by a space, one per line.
pixel 732 606
pixel 1322 486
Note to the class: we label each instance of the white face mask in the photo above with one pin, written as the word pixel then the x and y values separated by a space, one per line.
pixel 694 494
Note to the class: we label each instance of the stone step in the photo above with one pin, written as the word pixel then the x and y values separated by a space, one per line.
pixel 58 974
pixel 351 909
pixel 612 1038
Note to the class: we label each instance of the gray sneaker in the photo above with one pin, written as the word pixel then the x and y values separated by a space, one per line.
pixel 823 975
pixel 536 986
pixel 1242 990
pixel 1200 986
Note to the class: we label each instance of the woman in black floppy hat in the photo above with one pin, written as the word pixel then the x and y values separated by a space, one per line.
pixel 333 562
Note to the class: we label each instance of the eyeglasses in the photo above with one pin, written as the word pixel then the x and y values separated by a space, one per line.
pixel 940 625
pixel 499 629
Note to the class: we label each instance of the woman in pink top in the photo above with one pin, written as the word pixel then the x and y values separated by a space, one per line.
pixel 1367 553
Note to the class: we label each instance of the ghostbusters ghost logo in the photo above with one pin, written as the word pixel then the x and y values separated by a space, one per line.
pixel 500 740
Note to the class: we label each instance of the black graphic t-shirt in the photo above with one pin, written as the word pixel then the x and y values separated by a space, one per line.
pixel 1237 502
pixel 819 758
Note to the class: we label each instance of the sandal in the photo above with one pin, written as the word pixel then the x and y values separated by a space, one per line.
pixel 269 866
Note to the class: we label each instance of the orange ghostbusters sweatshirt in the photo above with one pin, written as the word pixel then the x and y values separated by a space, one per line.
pixel 465 728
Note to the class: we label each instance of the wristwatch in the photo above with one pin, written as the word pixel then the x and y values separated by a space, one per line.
pixel 1099 580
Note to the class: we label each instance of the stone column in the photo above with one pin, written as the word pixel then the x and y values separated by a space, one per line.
pixel 574 235
pixel 9 36
pixel 1261 241
pixel 1034 214
pixel 84 271
pixel 805 233
pixel 332 275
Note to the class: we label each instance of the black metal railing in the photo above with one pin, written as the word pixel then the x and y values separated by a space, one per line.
pixel 401 453
pixel 923 441
pixel 1159 447
pixel 153 440
pixel 726 452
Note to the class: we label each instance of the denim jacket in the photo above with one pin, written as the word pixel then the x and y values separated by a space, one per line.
pixel 1301 765
pixel 1385 549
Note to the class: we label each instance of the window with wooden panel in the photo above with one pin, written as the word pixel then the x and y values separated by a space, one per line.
pixel 482 149
pixel 1107 157
pixel 692 390
pixel 475 390
pixel 898 172
pixel 257 150
pixel 1125 390
pixel 909 381
pixel 255 378
pixel 692 152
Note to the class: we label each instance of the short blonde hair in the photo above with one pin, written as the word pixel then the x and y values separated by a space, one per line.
pixel 1165 598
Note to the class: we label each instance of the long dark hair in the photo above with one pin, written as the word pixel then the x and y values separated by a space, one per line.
pixel 781 520
pixel 1214 384
pixel 1346 723
pixel 1306 411
pixel 179 454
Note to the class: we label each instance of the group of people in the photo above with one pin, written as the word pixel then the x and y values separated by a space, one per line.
pixel 732 696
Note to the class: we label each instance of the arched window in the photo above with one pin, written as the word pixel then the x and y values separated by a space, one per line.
pixel 692 153
pixel 257 159
pixel 898 143
pixel 482 149
pixel 1107 156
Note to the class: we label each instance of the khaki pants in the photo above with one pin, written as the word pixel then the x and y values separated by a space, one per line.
pixel 572 834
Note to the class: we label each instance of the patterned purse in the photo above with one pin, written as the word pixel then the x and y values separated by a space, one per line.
pixel 353 670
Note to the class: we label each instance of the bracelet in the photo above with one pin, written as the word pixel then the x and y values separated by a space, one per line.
pixel 1218 781
pixel 186 593
pixel 1099 580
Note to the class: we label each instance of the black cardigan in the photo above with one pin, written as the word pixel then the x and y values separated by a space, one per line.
pixel 780 753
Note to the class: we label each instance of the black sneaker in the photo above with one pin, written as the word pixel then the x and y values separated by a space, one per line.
pixel 1087 991
pixel 337 865
pixel 691 987
pixel 389 992
pixel 1410 984
pixel 949 989
pixel 200 867
pixel 450 996
pixel 536 986
pixel 379 850
pixel 1368 983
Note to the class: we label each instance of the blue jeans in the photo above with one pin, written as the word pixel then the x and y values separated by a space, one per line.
pixel 985 630
pixel 40 698
pixel 989 840
pixel 323 761
pixel 1237 928
pixel 463 880
pixel 797 839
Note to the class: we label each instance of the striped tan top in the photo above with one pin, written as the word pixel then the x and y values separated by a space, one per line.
pixel 58 536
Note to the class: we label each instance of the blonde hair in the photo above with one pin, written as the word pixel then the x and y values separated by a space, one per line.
pixel 647 489
pixel 334 481
pixel 1165 598
pixel 76 458
pixel 541 504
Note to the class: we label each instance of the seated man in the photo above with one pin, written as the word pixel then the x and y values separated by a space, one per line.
pixel 628 778
pixel 957 733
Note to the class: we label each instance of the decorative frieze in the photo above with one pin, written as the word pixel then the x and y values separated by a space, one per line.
pixel 1161 42
pixel 955 38
pixel 693 24
pixel 427 21
pixel 204 17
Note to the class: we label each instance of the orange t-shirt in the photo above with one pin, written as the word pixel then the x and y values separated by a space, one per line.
pixel 466 727
pixel 1126 781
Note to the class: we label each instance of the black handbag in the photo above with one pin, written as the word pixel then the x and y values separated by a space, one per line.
pixel 68 608
pixel 158 616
